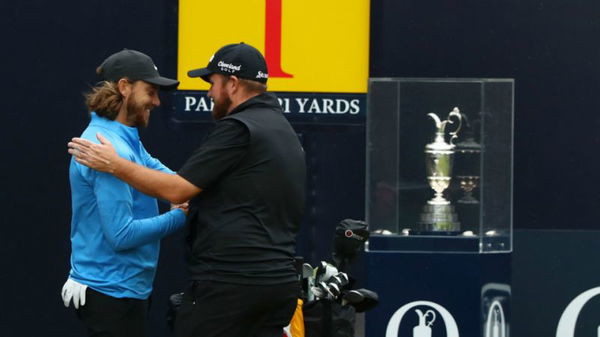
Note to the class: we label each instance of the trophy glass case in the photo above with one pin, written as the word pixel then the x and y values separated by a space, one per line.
pixel 439 164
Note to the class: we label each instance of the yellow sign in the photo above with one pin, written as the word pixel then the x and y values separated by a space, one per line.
pixel 310 45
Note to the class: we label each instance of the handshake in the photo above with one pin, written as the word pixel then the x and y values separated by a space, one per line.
pixel 184 207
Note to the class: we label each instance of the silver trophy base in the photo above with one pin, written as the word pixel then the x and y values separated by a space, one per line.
pixel 439 218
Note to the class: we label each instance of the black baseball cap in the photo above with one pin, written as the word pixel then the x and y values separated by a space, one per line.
pixel 134 65
pixel 239 59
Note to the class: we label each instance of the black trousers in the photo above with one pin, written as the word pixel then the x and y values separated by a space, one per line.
pixel 214 309
pixel 106 316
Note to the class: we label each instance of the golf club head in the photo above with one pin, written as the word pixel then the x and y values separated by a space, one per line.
pixel 307 270
pixel 325 271
pixel 361 299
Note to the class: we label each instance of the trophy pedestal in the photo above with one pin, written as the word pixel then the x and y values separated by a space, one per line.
pixel 439 219
pixel 467 286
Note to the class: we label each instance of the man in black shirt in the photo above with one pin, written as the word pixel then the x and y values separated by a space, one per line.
pixel 246 190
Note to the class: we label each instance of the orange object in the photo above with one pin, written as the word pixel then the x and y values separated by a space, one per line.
pixel 296 326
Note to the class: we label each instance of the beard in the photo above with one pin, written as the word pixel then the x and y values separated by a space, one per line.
pixel 221 107
pixel 136 113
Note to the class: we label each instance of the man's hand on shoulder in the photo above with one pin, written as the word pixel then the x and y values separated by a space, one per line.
pixel 101 157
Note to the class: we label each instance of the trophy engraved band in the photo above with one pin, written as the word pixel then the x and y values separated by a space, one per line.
pixel 438 215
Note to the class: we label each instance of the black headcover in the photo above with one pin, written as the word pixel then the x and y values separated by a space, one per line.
pixel 350 238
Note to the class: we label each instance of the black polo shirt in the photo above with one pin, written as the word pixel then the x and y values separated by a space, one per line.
pixel 220 152
pixel 251 170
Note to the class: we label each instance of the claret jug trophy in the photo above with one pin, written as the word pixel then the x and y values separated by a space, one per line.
pixel 438 214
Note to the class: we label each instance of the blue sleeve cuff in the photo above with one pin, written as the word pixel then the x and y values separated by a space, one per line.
pixel 179 216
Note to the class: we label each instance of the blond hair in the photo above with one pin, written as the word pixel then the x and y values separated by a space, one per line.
pixel 105 99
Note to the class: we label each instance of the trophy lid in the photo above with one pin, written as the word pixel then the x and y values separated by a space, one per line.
pixel 468 145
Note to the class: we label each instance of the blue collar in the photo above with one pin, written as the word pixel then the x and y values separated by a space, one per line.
pixel 129 133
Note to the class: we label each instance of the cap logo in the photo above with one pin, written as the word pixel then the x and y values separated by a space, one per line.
pixel 350 234
pixel 262 75
pixel 228 67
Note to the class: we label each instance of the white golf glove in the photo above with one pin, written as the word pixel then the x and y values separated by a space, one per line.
pixel 76 291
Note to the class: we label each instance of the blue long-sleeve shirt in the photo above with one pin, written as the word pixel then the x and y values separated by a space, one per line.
pixel 115 229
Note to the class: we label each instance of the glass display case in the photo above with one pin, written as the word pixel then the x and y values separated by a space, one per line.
pixel 439 164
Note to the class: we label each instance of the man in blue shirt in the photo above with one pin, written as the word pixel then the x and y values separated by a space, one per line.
pixel 116 229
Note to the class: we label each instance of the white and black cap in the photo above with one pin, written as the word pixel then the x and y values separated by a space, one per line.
pixel 135 66
pixel 239 59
